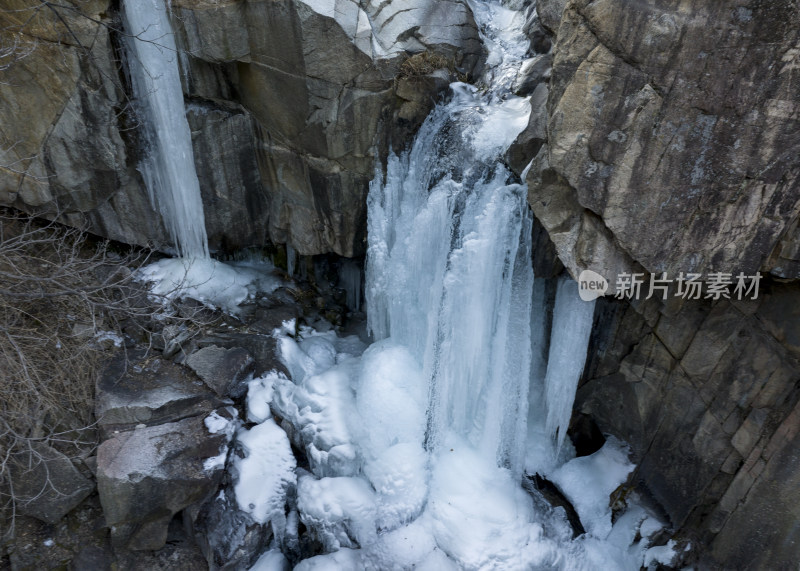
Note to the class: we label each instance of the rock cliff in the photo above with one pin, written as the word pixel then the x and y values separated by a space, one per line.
pixel 706 394
pixel 672 136
pixel 65 120
pixel 671 146
pixel 290 104
pixel 664 138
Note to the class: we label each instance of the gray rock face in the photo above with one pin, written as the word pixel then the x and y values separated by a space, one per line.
pixel 705 393
pixel 223 370
pixel 550 13
pixel 47 485
pixel 132 391
pixel 318 80
pixel 226 159
pixel 672 145
pixel 290 104
pixel 62 148
pixel 530 141
pixel 147 475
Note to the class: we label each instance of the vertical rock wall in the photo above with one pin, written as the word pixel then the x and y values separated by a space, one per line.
pixel 290 105
pixel 672 135
pixel 672 146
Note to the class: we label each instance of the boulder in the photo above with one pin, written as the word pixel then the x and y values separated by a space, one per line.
pixel 263 348
pixel 223 370
pixel 531 139
pixel 532 72
pixel 228 536
pixel 134 390
pixel 47 485
pixel 147 475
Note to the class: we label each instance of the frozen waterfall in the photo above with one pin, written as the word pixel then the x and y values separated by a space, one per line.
pixel 418 446
pixel 449 272
pixel 168 169
pixel 169 174
pixel 572 325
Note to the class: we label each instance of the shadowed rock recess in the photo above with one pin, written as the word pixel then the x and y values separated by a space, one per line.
pixel 664 137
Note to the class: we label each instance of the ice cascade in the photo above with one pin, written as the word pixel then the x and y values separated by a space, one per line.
pixel 449 274
pixel 169 172
pixel 418 446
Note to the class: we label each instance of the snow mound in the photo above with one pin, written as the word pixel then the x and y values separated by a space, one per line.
pixel 217 285
pixel 264 477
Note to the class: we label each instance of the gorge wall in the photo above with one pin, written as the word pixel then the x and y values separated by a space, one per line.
pixel 672 137
pixel 671 145
pixel 290 103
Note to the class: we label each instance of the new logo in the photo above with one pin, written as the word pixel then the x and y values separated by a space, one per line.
pixel 591 285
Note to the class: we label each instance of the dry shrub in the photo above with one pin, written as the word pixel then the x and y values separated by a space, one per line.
pixel 424 63
pixel 63 298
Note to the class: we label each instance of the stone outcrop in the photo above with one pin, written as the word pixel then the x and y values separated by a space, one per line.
pixel 165 439
pixel 319 81
pixel 65 119
pixel 290 102
pixel 672 140
pixel 671 147
pixel 705 393
pixel 223 370
pixel 135 390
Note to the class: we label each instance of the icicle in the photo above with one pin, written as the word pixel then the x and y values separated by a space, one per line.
pixel 290 259
pixel 569 338
pixel 539 341
pixel 168 170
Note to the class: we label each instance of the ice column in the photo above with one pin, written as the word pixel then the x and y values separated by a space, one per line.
pixel 168 169
pixel 569 339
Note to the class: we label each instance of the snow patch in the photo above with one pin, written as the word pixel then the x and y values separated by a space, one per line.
pixel 588 482
pixel 217 285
